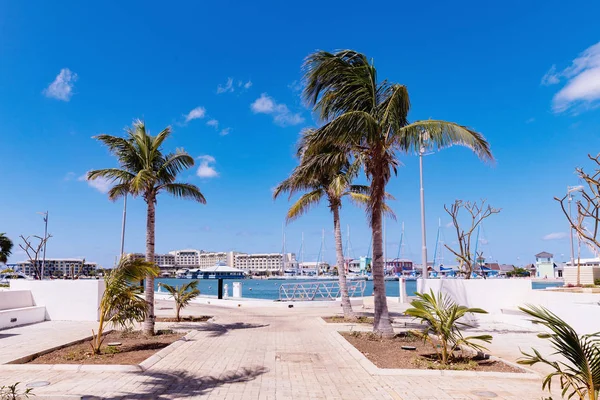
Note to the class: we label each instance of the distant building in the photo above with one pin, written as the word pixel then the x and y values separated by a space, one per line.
pixel 589 271
pixel 263 262
pixel 58 267
pixel 545 267
pixel 163 261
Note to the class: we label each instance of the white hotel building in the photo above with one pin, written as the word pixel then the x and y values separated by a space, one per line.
pixel 251 263
pixel 58 267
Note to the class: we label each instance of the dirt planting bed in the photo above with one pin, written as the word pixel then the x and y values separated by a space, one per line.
pixel 202 318
pixel 133 349
pixel 339 319
pixel 388 353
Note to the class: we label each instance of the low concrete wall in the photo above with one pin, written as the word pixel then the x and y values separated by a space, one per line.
pixel 502 297
pixel 22 316
pixel 65 300
pixel 587 275
pixel 15 299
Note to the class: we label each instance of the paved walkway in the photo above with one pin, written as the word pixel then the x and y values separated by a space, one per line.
pixel 24 340
pixel 265 354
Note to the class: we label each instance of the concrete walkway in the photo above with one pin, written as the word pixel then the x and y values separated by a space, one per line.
pixel 265 354
pixel 25 340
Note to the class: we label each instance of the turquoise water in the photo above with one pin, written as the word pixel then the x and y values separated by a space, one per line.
pixel 269 289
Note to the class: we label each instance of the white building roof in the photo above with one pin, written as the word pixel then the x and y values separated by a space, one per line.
pixel 220 268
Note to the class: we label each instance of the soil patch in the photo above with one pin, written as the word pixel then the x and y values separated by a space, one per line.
pixel 388 353
pixel 339 319
pixel 134 348
pixel 202 318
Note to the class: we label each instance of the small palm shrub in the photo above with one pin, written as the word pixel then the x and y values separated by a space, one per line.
pixel 443 319
pixel 12 392
pixel 579 377
pixel 182 295
pixel 122 303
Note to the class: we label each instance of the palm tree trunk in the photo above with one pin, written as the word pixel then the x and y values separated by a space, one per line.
pixel 381 323
pixel 346 305
pixel 148 325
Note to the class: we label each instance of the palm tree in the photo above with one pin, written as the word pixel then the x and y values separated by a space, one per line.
pixel 580 374
pixel 6 246
pixel 331 179
pixel 370 119
pixel 145 171
pixel 182 295
pixel 121 303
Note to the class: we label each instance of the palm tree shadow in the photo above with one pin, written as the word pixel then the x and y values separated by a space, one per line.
pixel 182 384
pixel 222 329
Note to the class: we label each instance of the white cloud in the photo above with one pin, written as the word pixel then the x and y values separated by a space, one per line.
pixel 280 112
pixel 247 85
pixel 225 132
pixel 213 122
pixel 530 120
pixel 196 113
pixel 582 87
pixel 62 86
pixel 206 170
pixel 296 86
pixel 551 77
pixel 449 225
pixel 227 88
pixel 102 185
pixel 555 236
pixel 69 176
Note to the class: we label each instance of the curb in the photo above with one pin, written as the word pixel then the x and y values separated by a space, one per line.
pixel 19 365
pixel 374 370
pixel 29 357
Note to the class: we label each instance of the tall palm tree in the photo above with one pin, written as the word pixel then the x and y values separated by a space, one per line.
pixel 145 171
pixel 370 119
pixel 6 246
pixel 330 179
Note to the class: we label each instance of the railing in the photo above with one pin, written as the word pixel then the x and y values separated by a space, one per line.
pixel 309 291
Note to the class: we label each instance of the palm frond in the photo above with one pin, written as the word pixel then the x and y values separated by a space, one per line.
pixel 304 203
pixel 173 164
pixel 580 375
pixel 441 134
pixel 184 190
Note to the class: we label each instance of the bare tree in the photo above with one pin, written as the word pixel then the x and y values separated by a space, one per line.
pixel 33 251
pixel 477 211
pixel 586 222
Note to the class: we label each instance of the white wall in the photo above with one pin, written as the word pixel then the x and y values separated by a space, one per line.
pixel 16 308
pixel 65 300
pixel 502 297
pixel 587 275
pixel 15 299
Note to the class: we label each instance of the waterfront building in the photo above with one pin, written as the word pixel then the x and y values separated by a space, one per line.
pixel 263 262
pixel 58 267
pixel 186 258
pixel 163 261
pixel 589 271
pixel 545 266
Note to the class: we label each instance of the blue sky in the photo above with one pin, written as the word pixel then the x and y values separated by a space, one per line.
pixel 225 76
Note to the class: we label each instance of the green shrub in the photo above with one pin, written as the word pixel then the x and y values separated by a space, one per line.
pixel 597 281
pixel 579 373
pixel 442 316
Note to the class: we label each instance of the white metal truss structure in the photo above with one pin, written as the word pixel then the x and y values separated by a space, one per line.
pixel 326 290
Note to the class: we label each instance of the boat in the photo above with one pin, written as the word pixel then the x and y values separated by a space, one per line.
pixel 218 271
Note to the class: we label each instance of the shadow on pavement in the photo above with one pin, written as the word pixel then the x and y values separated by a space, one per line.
pixel 222 329
pixel 182 384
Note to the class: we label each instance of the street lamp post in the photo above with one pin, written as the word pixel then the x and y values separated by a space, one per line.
pixel 423 138
pixel 570 190
pixel 123 226
pixel 45 214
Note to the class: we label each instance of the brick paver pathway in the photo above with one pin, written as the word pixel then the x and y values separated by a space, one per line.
pixel 265 354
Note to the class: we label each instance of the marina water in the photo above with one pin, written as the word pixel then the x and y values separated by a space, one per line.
pixel 269 288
